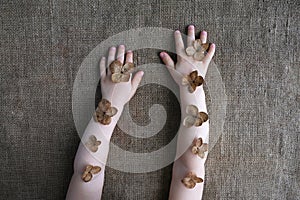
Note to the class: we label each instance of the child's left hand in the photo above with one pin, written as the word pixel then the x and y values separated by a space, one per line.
pixel 121 92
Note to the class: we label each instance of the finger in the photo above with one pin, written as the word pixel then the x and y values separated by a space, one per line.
pixel 111 58
pixel 129 57
pixel 136 81
pixel 102 68
pixel 191 35
pixel 167 60
pixel 121 53
pixel 178 43
pixel 203 36
pixel 210 54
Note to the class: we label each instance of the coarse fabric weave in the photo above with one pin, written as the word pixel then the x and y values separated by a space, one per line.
pixel 43 43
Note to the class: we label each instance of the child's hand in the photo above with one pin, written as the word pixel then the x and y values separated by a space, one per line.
pixel 188 63
pixel 118 93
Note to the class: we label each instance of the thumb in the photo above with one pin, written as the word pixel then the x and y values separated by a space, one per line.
pixel 136 81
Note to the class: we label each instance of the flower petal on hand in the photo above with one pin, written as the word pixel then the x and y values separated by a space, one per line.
pixel 115 67
pixel 104 104
pixel 197 44
pixel 199 55
pixel 128 68
pixel 190 51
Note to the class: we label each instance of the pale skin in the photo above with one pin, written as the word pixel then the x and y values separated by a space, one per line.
pixel 119 94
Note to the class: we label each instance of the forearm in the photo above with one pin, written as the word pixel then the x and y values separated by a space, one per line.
pixel 79 188
pixel 188 161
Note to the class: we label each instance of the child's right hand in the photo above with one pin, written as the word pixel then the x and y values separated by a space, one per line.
pixel 186 64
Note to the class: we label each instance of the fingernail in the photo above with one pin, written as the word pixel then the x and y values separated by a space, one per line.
pixel 203 32
pixel 162 54
pixel 177 31
pixel 142 73
pixel 191 27
pixel 122 46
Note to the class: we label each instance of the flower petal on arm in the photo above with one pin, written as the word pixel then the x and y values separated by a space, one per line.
pixel 197 179
pixel 111 111
pixel 189 121
pixel 95 170
pixel 185 81
pixel 192 110
pixel 199 80
pixel 203 116
pixel 104 105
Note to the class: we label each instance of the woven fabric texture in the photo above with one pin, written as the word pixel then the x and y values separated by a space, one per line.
pixel 43 43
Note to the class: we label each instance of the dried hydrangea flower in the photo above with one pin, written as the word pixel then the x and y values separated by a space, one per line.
pixel 191 180
pixel 120 72
pixel 89 171
pixel 194 117
pixel 92 144
pixel 192 81
pixel 199 148
pixel 104 112
pixel 197 50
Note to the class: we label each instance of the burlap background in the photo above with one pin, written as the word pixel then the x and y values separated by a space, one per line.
pixel 42 44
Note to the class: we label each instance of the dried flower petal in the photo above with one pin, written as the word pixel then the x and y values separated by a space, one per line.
pixel 190 180
pixel 89 170
pixel 190 51
pixel 199 148
pixel 197 50
pixel 189 121
pixel 120 73
pixel 192 81
pixel 92 144
pixel 192 110
pixel 194 118
pixel 104 112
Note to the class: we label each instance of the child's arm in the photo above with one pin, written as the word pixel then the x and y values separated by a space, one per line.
pixel 89 165
pixel 192 144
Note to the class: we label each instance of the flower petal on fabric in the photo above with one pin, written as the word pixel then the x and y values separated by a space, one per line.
pixel 190 51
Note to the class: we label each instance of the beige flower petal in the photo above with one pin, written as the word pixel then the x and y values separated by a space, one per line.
pixel 103 105
pixel 201 154
pixel 86 177
pixel 185 81
pixel 128 68
pixel 195 150
pixel 118 77
pixel 93 148
pixel 197 179
pixel 197 44
pixel 204 147
pixel 192 110
pixel 95 170
pixel 115 67
pixel 199 55
pixel 191 88
pixel 189 121
pixel 111 111
pixel 190 51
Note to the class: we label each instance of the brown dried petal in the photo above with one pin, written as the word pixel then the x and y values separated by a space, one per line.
pixel 198 179
pixel 201 154
pixel 204 147
pixel 115 67
pixel 203 116
pixel 88 168
pixel 193 75
pixel 199 80
pixel 86 176
pixel 195 150
pixel 198 142
pixel 192 110
pixel 205 46
pixel 104 104
pixel 191 88
pixel 118 77
pixel 95 170
pixel 106 120
pixel 188 183
pixel 190 51
pixel 128 68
